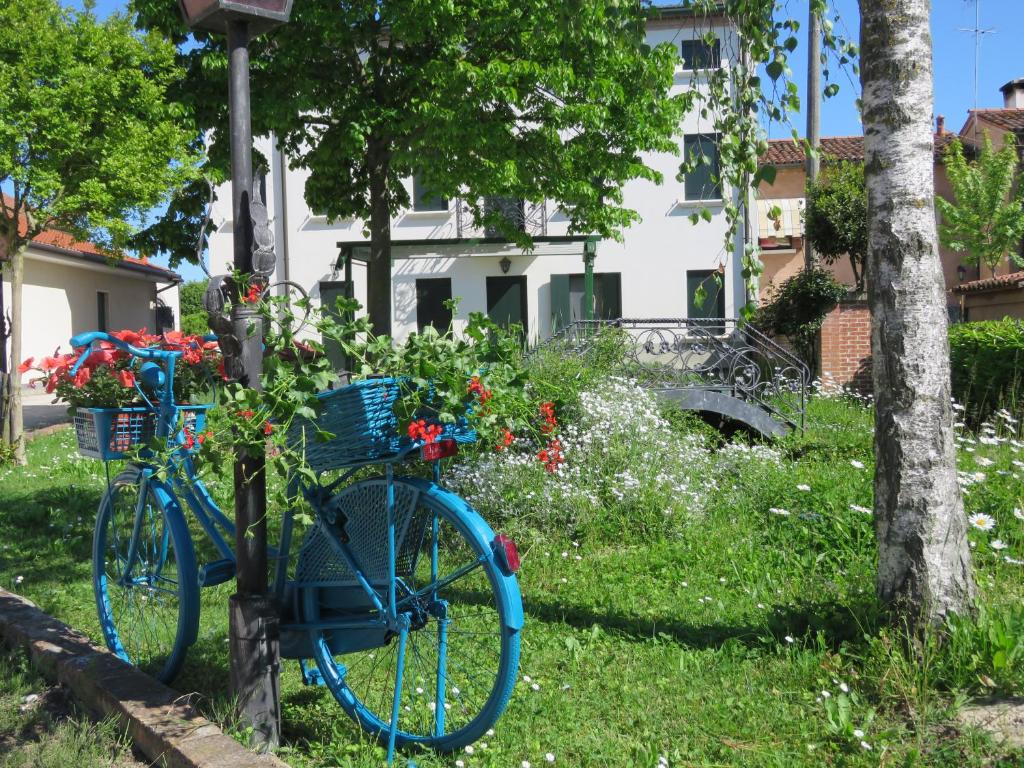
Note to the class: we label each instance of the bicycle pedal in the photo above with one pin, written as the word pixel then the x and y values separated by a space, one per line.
pixel 311 674
pixel 216 572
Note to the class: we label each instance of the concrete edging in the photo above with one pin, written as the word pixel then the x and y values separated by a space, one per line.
pixel 166 729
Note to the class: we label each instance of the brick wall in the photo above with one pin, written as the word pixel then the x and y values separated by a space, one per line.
pixel 846 345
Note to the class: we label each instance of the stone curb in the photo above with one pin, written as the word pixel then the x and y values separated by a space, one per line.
pixel 161 724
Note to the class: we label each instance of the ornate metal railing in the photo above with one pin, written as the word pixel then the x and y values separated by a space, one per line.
pixel 723 355
pixel 525 216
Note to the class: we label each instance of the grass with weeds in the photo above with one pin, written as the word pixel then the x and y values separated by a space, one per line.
pixel 740 629
pixel 41 728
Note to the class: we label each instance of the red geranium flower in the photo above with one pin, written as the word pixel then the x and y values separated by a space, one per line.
pixel 27 365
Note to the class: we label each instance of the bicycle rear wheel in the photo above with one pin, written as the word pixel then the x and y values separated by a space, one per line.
pixel 462 651
pixel 149 614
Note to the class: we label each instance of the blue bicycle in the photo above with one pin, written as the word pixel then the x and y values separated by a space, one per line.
pixel 401 599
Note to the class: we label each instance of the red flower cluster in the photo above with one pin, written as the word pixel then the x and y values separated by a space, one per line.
pixel 476 388
pixel 506 440
pixel 253 295
pixel 420 430
pixel 552 456
pixel 192 439
pixel 248 415
pixel 547 412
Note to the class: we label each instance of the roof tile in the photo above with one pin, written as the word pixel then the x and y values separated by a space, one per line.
pixel 1000 282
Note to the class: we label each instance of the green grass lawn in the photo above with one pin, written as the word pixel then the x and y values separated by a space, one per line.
pixel 41 728
pixel 741 630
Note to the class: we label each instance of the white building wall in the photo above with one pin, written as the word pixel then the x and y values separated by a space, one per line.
pixel 59 297
pixel 653 257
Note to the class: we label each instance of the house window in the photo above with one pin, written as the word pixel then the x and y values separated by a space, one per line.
pixel 102 314
pixel 705 294
pixel 424 200
pixel 567 298
pixel 431 295
pixel 702 183
pixel 699 54
pixel 511 210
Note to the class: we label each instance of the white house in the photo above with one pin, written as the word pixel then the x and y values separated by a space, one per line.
pixel 438 253
pixel 70 287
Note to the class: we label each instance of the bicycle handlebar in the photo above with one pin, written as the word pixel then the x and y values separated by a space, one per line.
pixel 86 340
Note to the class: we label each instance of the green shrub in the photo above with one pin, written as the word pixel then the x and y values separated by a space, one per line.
pixel 798 308
pixel 194 324
pixel 987 362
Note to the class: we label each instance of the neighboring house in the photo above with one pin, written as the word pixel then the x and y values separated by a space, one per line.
pixel 782 242
pixel 71 287
pixel 992 298
pixel 438 253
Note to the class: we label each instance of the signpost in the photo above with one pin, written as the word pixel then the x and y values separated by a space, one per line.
pixel 253 631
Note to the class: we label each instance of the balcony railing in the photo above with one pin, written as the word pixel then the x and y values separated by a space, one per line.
pixel 723 355
pixel 521 215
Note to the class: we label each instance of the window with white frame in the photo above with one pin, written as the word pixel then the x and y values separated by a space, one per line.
pixel 700 54
pixel 702 182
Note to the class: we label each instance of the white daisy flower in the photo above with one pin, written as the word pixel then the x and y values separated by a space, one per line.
pixel 1018 513
pixel 998 544
pixel 859 508
pixel 779 511
pixel 844 688
pixel 790 639
pixel 865 745
pixel 858 733
pixel 982 521
pixel 856 464
pixel 550 757
pixel 803 487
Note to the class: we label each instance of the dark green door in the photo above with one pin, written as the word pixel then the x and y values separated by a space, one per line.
pixel 705 296
pixel 506 301
pixel 330 291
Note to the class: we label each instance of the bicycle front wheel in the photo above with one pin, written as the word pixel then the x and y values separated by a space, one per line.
pixel 462 649
pixel 147 601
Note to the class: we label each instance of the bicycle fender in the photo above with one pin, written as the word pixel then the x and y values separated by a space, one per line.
pixel 483 535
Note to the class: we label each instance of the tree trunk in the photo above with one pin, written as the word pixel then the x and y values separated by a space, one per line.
pixel 378 288
pixel 924 563
pixel 15 419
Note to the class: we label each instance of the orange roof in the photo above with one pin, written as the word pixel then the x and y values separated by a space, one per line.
pixel 789 152
pixel 1007 119
pixel 55 238
pixel 998 283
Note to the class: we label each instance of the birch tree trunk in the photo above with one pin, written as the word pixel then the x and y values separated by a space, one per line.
pixel 15 418
pixel 924 563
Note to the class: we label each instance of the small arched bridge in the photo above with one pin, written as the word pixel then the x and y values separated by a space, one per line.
pixel 725 370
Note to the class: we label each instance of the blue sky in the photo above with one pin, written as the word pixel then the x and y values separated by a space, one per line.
pixel 953 54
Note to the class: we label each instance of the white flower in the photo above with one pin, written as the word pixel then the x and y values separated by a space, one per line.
pixel 1018 513
pixel 844 688
pixel 856 464
pixel 984 461
pixel 803 487
pixel 859 508
pixel 550 757
pixel 982 522
pixel 778 511
pixel 790 639
pixel 535 686
pixel 490 731
pixel 865 745
pixel 19 579
pixel 469 749
pixel 998 544
pixel 525 764
pixel 858 733
pixel 1012 561
pixel 826 695
pixel 459 764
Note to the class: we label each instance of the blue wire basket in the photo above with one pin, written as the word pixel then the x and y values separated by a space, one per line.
pixel 111 433
pixel 362 419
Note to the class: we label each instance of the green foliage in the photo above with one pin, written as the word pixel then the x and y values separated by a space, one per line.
pixel 190 297
pixel 985 653
pixel 798 308
pixel 986 220
pixel 195 324
pixel 987 363
pixel 836 217
pixel 88 141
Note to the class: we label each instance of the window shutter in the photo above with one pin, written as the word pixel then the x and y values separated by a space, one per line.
pixel 560 316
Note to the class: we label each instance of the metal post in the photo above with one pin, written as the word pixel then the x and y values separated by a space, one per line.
pixel 253 620
pixel 588 286
pixel 813 109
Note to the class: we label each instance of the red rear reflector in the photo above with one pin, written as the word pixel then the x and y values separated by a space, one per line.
pixel 442 449
pixel 506 551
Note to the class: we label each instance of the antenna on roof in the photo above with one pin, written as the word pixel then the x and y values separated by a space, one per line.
pixel 979 32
